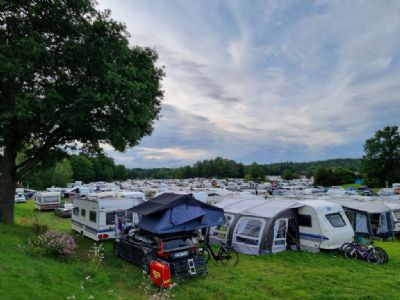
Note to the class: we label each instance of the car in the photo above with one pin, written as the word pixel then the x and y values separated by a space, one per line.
pixel 29 193
pixel 64 210
pixel 178 250
pixel 19 198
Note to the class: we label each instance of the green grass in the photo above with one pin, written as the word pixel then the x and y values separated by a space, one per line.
pixel 354 185
pixel 288 275
pixel 357 185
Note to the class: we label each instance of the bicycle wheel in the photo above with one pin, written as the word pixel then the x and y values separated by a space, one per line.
pixel 205 253
pixel 345 245
pixel 381 253
pixel 350 252
pixel 228 256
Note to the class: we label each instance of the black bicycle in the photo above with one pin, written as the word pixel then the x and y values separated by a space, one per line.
pixel 225 254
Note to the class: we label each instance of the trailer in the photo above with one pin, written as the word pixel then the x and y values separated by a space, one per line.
pixel 95 216
pixel 47 200
pixel 323 225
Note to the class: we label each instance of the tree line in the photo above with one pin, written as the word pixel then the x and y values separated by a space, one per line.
pixel 81 167
pixel 225 168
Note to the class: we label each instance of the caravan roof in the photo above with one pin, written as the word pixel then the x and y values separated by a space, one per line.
pixel 369 207
pixel 241 206
pixel 322 206
pixel 229 201
pixel 271 208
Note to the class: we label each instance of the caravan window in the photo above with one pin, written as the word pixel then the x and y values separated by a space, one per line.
pixel 305 221
pixel 110 216
pixel 93 216
pixel 50 199
pixel 249 231
pixel 336 220
pixel 83 212
pixel 220 232
pixel 76 211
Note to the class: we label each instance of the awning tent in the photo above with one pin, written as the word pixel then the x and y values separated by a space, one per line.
pixel 169 213
pixel 256 226
pixel 368 217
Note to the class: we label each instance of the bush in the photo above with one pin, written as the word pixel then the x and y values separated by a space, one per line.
pixel 56 244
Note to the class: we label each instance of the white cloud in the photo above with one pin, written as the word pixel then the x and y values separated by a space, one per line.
pixel 172 153
pixel 268 75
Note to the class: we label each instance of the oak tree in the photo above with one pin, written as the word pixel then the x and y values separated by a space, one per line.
pixel 381 162
pixel 68 77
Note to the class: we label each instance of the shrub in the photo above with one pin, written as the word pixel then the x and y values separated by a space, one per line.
pixel 56 244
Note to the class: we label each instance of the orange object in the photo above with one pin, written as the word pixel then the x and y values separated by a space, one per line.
pixel 160 273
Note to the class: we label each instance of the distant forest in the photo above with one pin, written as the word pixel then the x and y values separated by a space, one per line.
pixel 224 168
pixel 101 168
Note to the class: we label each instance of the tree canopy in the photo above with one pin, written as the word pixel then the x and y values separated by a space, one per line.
pixel 68 78
pixel 333 176
pixel 381 162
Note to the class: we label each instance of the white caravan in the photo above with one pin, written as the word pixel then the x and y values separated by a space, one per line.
pixel 323 225
pixel 47 200
pixel 95 216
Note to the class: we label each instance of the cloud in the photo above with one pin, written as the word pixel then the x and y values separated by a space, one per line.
pixel 172 153
pixel 268 80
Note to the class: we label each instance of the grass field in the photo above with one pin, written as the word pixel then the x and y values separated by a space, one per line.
pixel 288 275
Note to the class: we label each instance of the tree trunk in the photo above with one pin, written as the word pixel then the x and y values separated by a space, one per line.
pixel 8 182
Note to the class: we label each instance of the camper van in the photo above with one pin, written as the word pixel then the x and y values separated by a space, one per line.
pixel 323 225
pixel 94 216
pixel 47 200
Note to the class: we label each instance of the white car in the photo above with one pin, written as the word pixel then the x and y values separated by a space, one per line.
pixel 20 198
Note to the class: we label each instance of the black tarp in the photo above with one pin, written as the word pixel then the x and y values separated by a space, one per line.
pixel 169 213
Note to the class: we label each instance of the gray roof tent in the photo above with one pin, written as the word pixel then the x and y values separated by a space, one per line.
pixel 256 226
pixel 368 217
pixel 171 213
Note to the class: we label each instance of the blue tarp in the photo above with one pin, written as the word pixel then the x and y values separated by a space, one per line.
pixel 169 213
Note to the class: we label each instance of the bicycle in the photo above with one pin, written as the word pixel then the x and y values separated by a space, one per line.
pixel 369 252
pixel 225 254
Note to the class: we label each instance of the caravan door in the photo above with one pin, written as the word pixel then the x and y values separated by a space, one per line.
pixel 247 235
pixel 280 232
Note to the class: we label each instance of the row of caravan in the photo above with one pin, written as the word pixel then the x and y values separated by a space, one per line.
pixel 257 226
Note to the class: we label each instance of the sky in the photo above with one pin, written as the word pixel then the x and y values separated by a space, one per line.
pixel 265 81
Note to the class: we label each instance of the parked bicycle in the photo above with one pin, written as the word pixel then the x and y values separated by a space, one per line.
pixel 368 252
pixel 225 254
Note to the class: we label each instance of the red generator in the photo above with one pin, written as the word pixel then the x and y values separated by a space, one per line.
pixel 160 273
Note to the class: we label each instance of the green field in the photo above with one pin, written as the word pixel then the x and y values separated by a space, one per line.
pixel 288 275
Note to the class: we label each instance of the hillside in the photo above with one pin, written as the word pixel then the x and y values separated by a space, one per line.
pixel 288 275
